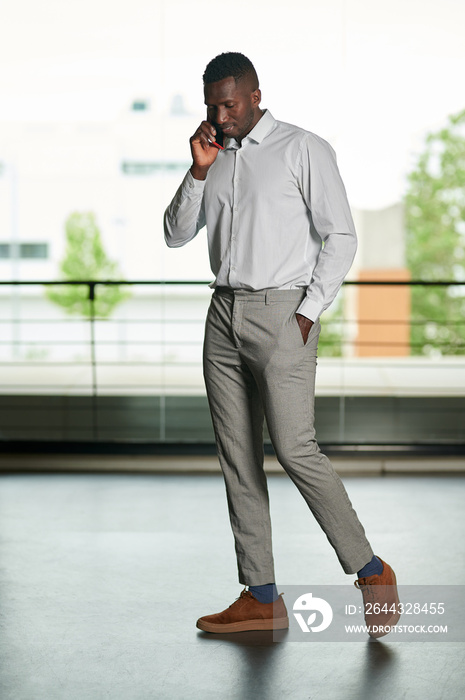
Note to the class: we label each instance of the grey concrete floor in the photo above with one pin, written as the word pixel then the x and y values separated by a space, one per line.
pixel 102 578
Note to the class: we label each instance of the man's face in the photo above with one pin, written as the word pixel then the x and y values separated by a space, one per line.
pixel 233 107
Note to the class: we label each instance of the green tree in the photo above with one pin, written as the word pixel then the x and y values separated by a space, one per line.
pixel 85 259
pixel 435 223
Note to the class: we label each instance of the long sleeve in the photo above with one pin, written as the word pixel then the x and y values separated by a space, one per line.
pixel 276 212
pixel 185 216
pixel 324 193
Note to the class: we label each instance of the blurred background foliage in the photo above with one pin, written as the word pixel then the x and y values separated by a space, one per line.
pixel 435 242
pixel 85 259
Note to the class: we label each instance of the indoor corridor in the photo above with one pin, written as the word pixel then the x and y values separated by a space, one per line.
pixel 102 578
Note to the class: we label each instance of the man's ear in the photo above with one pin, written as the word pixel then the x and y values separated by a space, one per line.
pixel 256 97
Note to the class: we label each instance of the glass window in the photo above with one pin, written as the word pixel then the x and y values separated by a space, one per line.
pixel 140 106
pixel 33 251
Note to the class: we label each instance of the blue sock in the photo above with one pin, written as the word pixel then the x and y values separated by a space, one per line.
pixel 265 594
pixel 374 567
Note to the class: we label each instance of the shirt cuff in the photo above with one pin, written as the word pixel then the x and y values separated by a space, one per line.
pixel 310 309
pixel 192 185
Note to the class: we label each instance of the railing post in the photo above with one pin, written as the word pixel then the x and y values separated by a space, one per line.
pixel 93 359
pixel 162 402
pixel 342 418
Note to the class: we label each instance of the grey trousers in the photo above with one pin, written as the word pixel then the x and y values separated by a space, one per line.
pixel 256 365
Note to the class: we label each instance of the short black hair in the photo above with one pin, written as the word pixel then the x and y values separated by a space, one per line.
pixel 230 65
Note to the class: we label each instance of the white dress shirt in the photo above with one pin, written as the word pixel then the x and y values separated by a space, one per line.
pixel 276 213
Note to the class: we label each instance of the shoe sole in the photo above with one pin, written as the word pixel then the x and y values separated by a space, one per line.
pixel 244 626
pixel 392 622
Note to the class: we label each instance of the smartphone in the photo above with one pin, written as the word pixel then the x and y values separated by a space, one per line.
pixel 219 136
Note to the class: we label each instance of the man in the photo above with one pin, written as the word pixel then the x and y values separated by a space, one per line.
pixel 270 200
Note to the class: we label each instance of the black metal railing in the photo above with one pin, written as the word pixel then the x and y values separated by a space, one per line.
pixel 143 362
pixel 337 324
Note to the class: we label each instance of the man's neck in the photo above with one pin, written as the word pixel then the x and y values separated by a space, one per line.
pixel 261 113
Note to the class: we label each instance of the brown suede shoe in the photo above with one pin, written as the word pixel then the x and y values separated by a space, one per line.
pixel 381 601
pixel 245 614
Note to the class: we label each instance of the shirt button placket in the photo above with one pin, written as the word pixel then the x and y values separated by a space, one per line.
pixel 234 222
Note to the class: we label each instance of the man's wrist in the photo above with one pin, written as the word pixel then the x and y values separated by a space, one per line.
pixel 305 325
pixel 199 172
pixel 305 320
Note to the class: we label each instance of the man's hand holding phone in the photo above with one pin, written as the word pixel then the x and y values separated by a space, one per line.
pixel 204 149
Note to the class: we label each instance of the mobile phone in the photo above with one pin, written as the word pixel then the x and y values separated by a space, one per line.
pixel 219 136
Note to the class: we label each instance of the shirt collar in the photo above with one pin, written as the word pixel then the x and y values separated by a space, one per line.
pixel 261 129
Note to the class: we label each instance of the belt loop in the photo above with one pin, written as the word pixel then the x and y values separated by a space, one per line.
pixel 268 297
